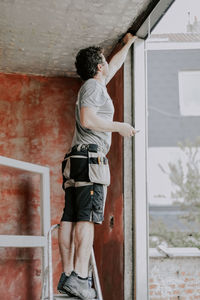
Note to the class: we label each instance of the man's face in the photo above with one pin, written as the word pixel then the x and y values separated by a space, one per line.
pixel 104 66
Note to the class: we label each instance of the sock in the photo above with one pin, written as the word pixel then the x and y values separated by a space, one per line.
pixel 86 278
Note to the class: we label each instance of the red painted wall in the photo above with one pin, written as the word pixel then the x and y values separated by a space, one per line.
pixel 37 123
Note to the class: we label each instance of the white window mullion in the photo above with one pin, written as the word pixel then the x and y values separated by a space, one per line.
pixel 140 172
pixel 128 180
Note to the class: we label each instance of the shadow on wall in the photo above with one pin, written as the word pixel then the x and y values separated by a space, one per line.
pixel 20 268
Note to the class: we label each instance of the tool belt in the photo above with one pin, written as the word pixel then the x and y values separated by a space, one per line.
pixel 83 147
pixel 84 162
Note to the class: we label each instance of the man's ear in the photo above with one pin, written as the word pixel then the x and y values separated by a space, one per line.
pixel 99 67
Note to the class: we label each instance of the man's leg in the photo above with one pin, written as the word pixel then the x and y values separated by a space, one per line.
pixel 66 245
pixel 84 237
pixel 77 284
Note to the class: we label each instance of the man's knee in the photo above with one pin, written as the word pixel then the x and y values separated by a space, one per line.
pixel 66 233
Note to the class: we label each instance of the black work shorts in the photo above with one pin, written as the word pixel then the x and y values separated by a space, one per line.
pixel 84 200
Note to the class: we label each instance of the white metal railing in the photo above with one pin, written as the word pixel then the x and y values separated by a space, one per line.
pixel 30 240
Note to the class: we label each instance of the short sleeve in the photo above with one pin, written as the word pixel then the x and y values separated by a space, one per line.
pixel 92 96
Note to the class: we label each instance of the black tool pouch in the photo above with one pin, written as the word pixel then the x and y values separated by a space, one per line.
pixel 98 168
pixel 75 166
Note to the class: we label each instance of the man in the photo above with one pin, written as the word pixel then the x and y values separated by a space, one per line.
pixel 85 167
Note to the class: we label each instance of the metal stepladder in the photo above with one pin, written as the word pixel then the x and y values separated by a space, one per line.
pixel 47 289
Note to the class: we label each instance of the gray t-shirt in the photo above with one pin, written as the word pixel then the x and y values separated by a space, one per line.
pixel 93 94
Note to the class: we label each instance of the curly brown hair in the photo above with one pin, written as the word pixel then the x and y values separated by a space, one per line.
pixel 87 60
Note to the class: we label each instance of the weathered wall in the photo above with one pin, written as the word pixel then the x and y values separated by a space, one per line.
pixel 109 237
pixel 174 278
pixel 37 122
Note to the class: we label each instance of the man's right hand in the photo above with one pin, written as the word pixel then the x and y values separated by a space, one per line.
pixel 126 130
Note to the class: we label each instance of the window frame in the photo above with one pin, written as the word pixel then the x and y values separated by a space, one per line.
pixel 141 235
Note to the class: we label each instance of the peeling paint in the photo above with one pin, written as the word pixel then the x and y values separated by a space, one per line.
pixel 37 123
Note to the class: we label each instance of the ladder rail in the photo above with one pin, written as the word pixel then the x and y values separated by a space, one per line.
pixel 50 269
pixel 44 284
pixel 96 276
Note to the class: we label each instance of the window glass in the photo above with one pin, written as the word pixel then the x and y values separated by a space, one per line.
pixel 189 93
pixel 173 154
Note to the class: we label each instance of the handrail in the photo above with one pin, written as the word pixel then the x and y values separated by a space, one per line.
pixel 22 165
pixel 32 241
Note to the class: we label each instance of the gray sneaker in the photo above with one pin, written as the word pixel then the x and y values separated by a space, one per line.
pixel 61 282
pixel 79 287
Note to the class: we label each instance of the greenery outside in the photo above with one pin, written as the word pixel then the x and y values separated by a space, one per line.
pixel 186 197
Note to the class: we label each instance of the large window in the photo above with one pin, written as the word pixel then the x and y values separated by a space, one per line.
pixel 173 157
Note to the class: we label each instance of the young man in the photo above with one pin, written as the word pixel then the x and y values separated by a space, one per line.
pixel 85 167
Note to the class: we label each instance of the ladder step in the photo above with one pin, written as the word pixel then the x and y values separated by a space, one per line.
pixel 55 297
pixel 64 297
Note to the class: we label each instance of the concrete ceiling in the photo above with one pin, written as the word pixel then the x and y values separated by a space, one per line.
pixel 43 36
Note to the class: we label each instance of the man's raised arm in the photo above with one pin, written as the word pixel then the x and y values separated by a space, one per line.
pixel 119 58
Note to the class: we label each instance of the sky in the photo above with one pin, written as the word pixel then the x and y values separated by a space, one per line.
pixel 176 18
